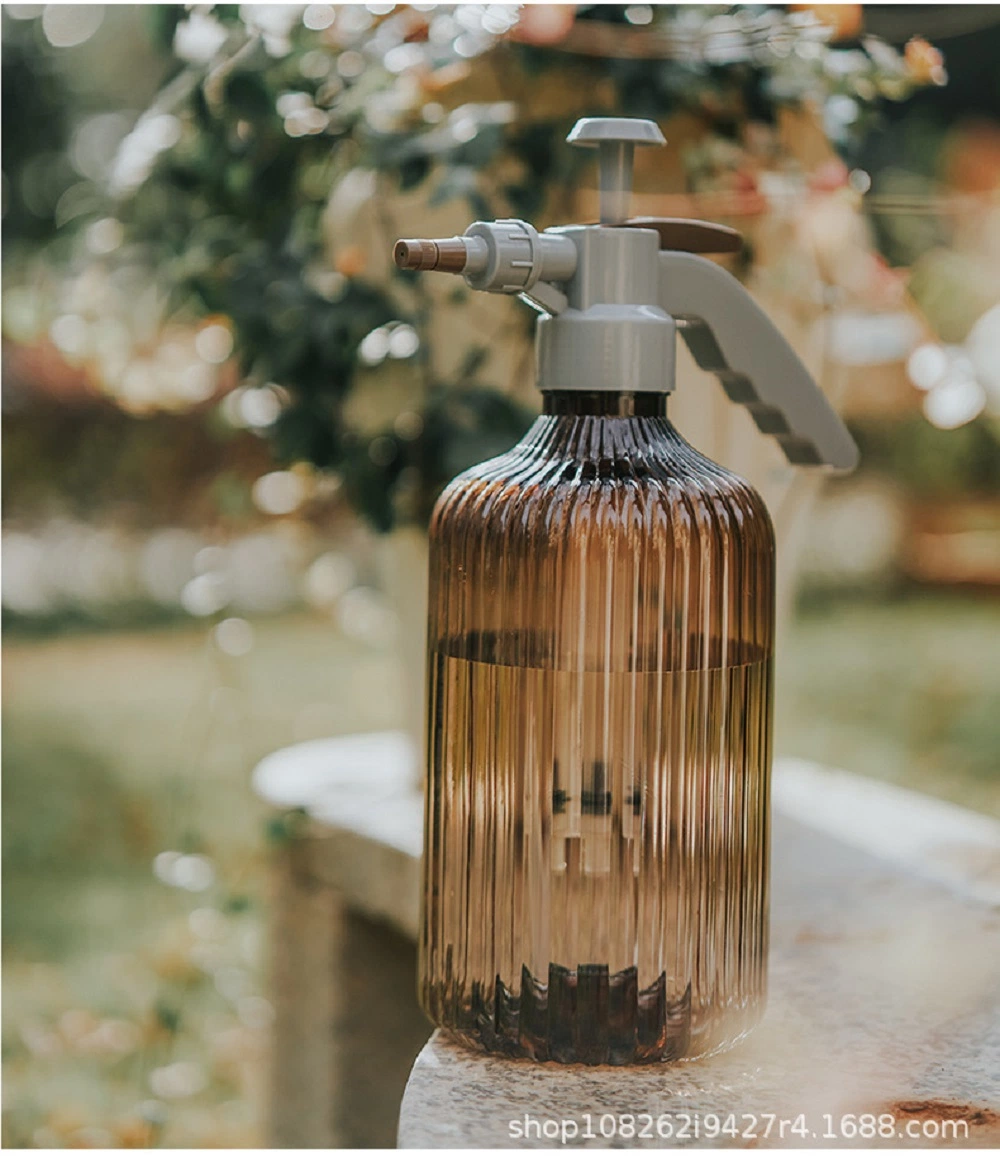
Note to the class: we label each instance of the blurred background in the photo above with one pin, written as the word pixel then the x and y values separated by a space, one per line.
pixel 226 419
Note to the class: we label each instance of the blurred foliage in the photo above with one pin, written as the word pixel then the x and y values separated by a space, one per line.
pixel 908 692
pixel 223 182
pixel 134 471
pixel 931 463
pixel 36 168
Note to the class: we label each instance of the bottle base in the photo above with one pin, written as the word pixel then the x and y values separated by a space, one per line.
pixel 585 1016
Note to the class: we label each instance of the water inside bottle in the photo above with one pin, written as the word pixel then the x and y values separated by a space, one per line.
pixel 596 855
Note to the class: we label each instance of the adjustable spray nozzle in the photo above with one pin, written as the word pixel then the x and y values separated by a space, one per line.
pixel 506 256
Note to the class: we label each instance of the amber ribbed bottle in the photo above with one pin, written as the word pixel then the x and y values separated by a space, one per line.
pixel 600 654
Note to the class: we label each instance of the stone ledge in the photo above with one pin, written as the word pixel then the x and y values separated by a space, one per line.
pixel 883 1000
pixel 885 946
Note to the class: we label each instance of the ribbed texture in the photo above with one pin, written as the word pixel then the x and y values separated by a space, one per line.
pixel 596 860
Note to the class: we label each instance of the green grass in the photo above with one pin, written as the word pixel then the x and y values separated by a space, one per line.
pixel 906 691
pixel 120 745
pixel 117 746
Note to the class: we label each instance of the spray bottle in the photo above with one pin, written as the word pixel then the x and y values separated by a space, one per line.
pixel 601 636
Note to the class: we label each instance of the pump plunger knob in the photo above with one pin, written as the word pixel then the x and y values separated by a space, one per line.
pixel 615 139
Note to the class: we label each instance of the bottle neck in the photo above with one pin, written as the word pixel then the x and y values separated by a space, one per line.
pixel 589 403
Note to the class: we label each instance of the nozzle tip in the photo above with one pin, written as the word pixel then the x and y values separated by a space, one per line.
pixel 430 254
pixel 414 254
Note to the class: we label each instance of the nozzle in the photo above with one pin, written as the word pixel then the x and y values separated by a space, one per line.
pixel 506 256
pixel 449 255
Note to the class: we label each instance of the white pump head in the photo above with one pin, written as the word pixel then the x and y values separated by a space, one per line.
pixel 614 296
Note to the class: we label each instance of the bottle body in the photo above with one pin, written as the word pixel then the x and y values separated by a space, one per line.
pixel 600 656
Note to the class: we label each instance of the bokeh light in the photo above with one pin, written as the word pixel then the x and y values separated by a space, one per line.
pixel 68 25
pixel 927 365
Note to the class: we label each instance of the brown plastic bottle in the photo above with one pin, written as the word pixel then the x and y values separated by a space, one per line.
pixel 601 639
